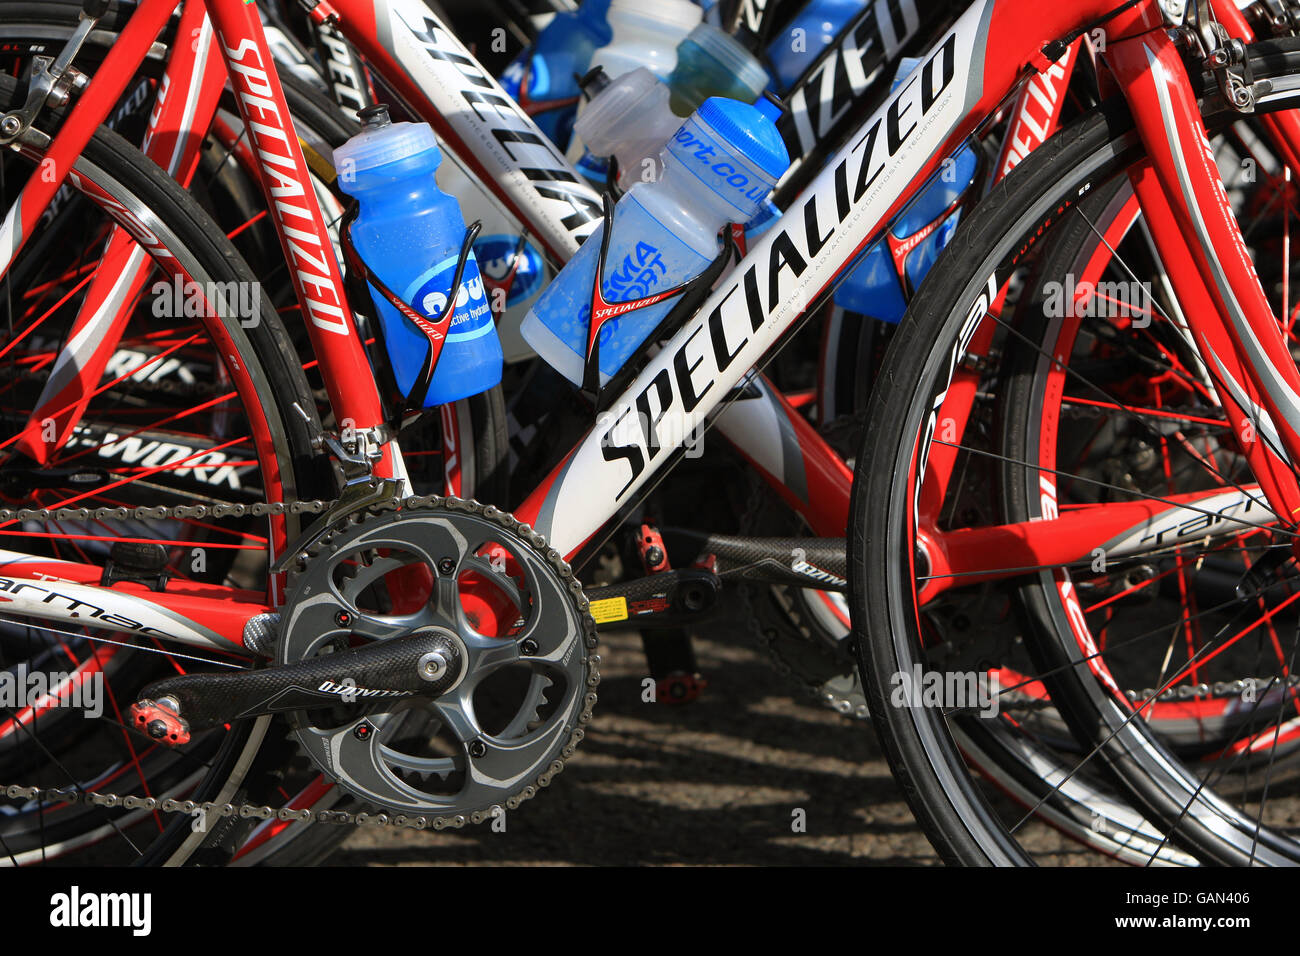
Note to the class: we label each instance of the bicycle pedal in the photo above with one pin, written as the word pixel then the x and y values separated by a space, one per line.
pixel 680 688
pixel 160 720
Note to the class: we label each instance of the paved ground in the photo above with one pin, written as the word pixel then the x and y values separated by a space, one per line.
pixel 712 782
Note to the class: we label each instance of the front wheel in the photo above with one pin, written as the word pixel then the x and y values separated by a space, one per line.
pixel 926 484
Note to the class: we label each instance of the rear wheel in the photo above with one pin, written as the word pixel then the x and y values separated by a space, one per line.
pixel 194 408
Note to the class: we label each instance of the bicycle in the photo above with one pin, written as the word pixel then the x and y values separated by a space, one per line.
pixel 629 457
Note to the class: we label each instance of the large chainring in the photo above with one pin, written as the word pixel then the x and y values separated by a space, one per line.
pixel 522 640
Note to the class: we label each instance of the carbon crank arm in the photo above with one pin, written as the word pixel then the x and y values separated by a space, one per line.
pixel 427 664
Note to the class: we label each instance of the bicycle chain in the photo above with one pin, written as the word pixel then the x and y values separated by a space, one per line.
pixel 74 795
pixel 1221 689
pixel 162 513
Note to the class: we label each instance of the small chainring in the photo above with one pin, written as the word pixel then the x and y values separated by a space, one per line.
pixel 522 640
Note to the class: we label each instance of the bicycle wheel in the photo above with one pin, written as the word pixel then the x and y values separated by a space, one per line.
pixel 213 392
pixel 226 186
pixel 1130 405
pixel 463 449
pixel 897 577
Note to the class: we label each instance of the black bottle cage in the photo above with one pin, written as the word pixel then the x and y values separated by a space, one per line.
pixel 611 179
pixel 433 329
pixel 692 294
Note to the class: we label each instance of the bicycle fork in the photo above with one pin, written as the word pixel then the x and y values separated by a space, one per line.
pixel 1202 249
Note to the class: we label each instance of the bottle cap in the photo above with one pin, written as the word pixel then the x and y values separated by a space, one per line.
pixel 734 59
pixel 748 131
pixel 593 82
pixel 678 13
pixel 375 117
pixel 381 141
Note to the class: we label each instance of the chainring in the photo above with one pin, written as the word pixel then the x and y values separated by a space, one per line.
pixel 525 642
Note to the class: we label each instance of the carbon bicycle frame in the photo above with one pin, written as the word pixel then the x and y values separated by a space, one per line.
pixel 962 80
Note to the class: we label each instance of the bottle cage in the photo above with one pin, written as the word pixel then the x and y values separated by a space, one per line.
pixel 611 179
pixel 433 328
pixel 692 293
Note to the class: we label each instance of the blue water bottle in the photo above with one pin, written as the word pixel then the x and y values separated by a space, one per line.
pixel 878 284
pixel 801 42
pixel 718 168
pixel 410 234
pixel 543 79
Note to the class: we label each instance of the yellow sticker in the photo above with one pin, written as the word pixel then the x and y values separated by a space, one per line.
pixel 610 609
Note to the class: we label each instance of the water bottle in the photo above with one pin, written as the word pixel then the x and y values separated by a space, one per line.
pixel 644 34
pixel 544 78
pixel 410 235
pixel 711 62
pixel 790 53
pixel 874 287
pixel 632 117
pixel 718 168
pixel 630 120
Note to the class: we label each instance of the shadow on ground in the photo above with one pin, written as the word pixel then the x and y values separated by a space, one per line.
pixel 717 781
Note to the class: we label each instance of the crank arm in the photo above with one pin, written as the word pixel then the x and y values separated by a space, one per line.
pixel 425 664
pixel 818 563
pixel 667 599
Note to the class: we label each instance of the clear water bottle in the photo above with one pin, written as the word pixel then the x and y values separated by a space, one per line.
pixel 633 116
pixel 543 80
pixel 410 235
pixel 710 62
pixel 644 34
pixel 630 120
pixel 718 168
